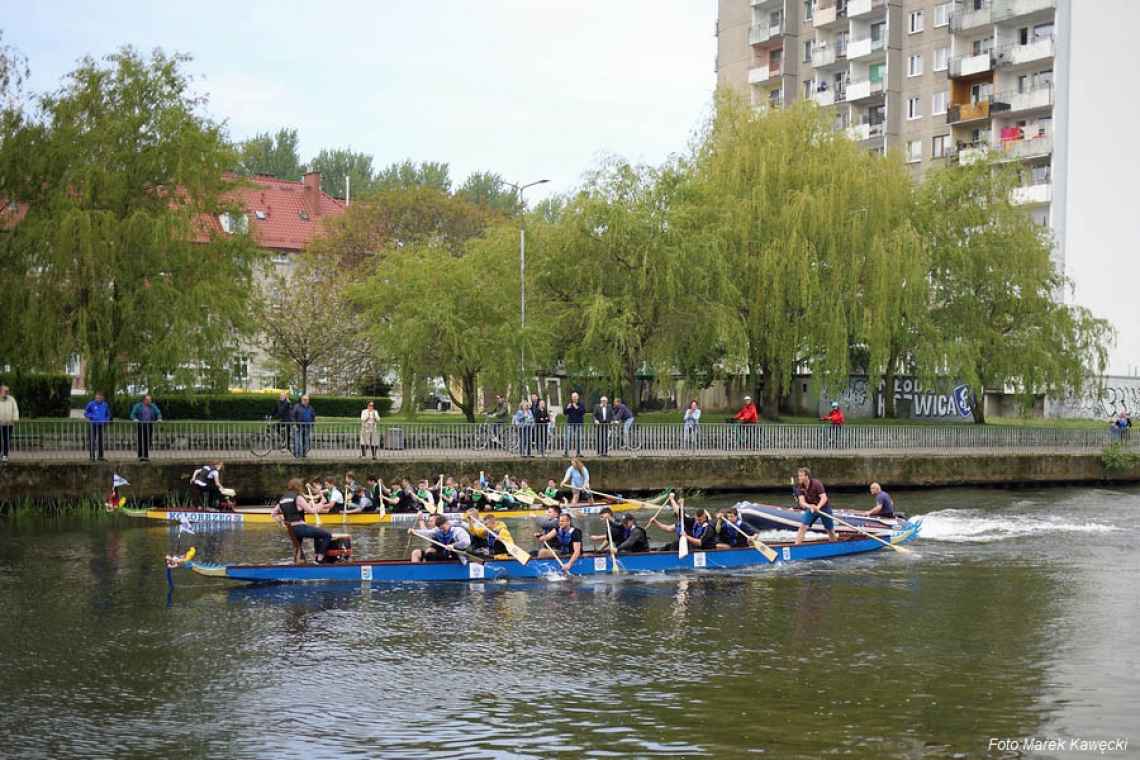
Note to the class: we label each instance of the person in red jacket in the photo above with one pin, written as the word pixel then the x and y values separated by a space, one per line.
pixel 747 414
pixel 835 416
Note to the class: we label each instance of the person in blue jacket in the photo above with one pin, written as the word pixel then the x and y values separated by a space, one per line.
pixel 145 413
pixel 98 414
pixel 303 418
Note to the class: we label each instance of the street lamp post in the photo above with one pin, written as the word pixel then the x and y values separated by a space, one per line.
pixel 522 274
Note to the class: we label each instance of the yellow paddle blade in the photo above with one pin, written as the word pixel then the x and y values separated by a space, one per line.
pixel 190 554
pixel 520 554
pixel 768 552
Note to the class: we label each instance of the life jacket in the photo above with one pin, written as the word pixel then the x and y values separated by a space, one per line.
pixel 566 539
pixel 446 536
pixel 551 492
pixel 289 509
pixel 698 529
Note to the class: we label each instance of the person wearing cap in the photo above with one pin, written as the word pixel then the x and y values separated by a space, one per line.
pixel 635 538
pixel 748 415
pixel 835 417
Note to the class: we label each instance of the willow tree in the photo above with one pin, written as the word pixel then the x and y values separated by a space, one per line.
pixel 786 198
pixel 995 290
pixel 120 257
pixel 626 288
pixel 434 314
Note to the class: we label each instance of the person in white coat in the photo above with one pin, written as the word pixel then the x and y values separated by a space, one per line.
pixel 369 435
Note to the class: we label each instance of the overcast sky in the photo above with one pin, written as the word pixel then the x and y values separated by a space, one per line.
pixel 542 88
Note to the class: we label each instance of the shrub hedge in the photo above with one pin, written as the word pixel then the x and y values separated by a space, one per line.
pixel 39 395
pixel 239 406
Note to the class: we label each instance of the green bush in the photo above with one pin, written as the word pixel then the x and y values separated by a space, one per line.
pixel 40 395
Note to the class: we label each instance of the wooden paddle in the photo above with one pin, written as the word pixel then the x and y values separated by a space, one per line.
pixel 561 565
pixel 522 556
pixel 757 544
pixel 460 553
pixel 312 500
pixel 682 539
pixel 613 550
pixel 888 544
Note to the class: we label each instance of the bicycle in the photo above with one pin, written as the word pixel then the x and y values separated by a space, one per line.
pixel 273 437
pixel 495 435
pixel 628 440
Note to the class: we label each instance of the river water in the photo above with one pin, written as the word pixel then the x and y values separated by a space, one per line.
pixel 1017 617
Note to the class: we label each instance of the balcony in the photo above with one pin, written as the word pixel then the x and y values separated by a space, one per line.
pixel 766 3
pixel 865 47
pixel 829 55
pixel 829 17
pixel 860 8
pixel 825 97
pixel 1016 55
pixel 1006 10
pixel 762 74
pixel 863 89
pixel 1021 102
pixel 1019 150
pixel 1037 194
pixel 761 33
pixel 865 131
pixel 968 18
pixel 970 154
pixel 964 112
pixel 966 65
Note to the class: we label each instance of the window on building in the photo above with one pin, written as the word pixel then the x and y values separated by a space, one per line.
pixel 938 146
pixel 878 31
pixel 913 108
pixel 1042 32
pixel 938 102
pixel 809 88
pixel 983 45
pixel 981 92
pixel 917 20
pixel 914 66
pixel 809 47
pixel 876 115
pixel 808 7
pixel 876 72
pixel 913 151
pixel 775 58
pixel 280 258
pixel 941 58
pixel 1043 79
pixel 841 43
pixel 942 14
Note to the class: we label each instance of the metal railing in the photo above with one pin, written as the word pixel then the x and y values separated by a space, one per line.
pixel 72 440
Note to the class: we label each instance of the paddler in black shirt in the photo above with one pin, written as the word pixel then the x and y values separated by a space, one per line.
pixel 565 540
pixel 635 538
pixel 291 510
pixel 612 530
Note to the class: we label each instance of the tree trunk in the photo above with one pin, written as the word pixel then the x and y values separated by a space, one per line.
pixel 408 391
pixel 467 406
pixel 979 405
pixel 304 378
pixel 771 391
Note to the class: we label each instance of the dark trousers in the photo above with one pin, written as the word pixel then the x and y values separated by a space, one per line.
pixel 602 433
pixel 302 437
pixel 144 434
pixel 5 439
pixel 540 432
pixel 573 438
pixel 525 433
pixel 320 536
pixel 95 441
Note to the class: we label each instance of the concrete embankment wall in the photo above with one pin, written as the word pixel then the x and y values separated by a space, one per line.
pixel 256 481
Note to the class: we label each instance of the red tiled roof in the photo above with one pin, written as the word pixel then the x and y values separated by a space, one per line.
pixel 10 217
pixel 284 214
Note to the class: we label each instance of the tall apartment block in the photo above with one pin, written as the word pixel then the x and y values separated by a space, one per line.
pixel 939 81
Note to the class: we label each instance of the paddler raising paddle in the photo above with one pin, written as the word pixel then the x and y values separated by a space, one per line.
pixel 812 497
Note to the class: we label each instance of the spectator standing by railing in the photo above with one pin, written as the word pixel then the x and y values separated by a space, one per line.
pixel 498 417
pixel 369 436
pixel 575 418
pixel 624 415
pixel 524 423
pixel 97 414
pixel 283 413
pixel 1120 426
pixel 9 416
pixel 603 418
pixel 304 417
pixel 145 413
pixel 748 415
pixel 541 426
pixel 692 421
pixel 837 420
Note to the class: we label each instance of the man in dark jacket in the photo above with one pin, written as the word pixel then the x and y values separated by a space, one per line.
pixel 283 414
pixel 304 417
pixel 636 540
pixel 603 419
pixel 98 414
pixel 575 416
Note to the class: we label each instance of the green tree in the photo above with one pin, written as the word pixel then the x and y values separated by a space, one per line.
pixel 13 72
pixel 433 314
pixel 781 195
pixel 119 258
pixel 407 174
pixel 310 326
pixel 488 189
pixel 995 290
pixel 335 165
pixel 272 155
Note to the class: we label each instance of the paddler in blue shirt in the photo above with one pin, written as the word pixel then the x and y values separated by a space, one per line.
pixel 734 532
pixel 884 505
pixel 565 540
pixel 442 532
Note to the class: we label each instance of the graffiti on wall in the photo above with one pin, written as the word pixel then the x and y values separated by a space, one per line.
pixel 1118 394
pixel 859 399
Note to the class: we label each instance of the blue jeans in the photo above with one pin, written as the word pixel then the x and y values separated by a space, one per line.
pixel 302 439
pixel 573 436
pixel 320 536
pixel 809 518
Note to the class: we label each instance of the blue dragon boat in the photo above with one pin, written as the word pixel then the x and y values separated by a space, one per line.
pixel 401 571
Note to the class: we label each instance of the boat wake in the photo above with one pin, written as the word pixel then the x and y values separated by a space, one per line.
pixel 977 526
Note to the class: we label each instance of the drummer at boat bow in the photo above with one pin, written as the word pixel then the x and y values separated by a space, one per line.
pixel 884 505
pixel 566 540
pixel 291 509
pixel 812 498
pixel 443 534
